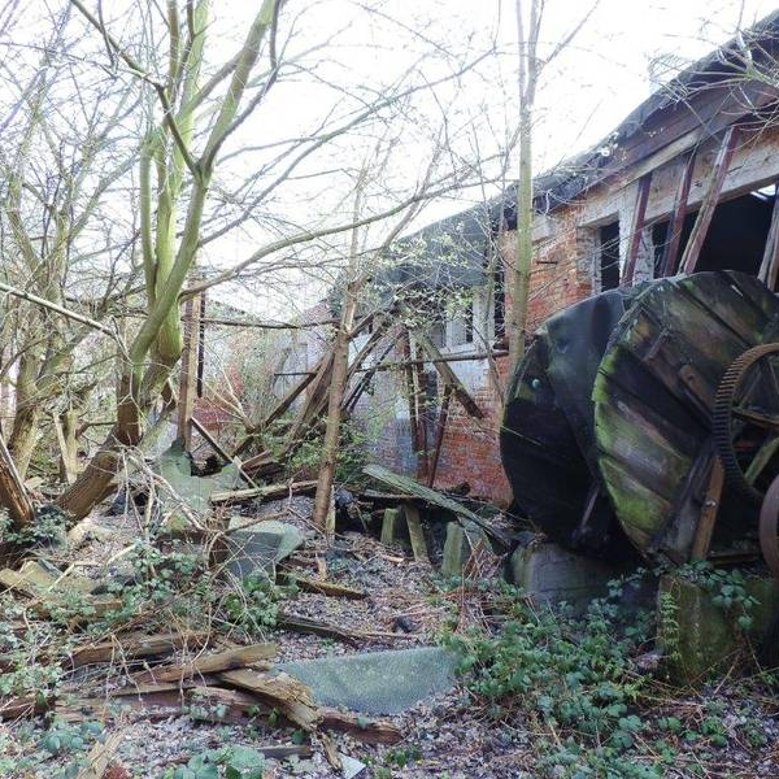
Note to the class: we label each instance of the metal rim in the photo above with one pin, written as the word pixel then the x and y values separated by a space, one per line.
pixel 722 422
pixel 769 515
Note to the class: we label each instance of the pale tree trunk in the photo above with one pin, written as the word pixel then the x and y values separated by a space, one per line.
pixel 167 259
pixel 519 278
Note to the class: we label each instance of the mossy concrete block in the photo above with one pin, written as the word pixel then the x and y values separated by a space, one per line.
pixel 550 574
pixel 391 526
pixel 701 639
pixel 461 540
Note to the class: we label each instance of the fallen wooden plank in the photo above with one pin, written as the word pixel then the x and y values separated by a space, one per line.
pixel 27 706
pixel 268 492
pixel 134 646
pixel 216 704
pixel 292 698
pixel 305 625
pixel 239 657
pixel 322 587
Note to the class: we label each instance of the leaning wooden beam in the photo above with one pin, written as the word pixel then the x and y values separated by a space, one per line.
pixel 713 192
pixel 214 444
pixel 411 392
pixel 278 410
pixel 439 438
pixel 448 375
pixel 422 409
pixel 365 379
pixel 770 263
pixel 636 229
pixel 676 224
pixel 13 494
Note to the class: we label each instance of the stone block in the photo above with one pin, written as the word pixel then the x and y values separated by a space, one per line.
pixel 550 574
pixel 701 639
pixel 461 540
pixel 391 526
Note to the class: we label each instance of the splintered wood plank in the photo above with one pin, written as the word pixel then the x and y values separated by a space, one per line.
pixel 291 697
pixel 360 728
pixel 100 756
pixel 135 645
pixel 237 657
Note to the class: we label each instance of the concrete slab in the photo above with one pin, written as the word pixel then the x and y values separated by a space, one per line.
pixel 377 682
pixel 259 546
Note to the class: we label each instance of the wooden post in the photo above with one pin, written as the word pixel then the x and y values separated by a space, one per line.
pixel 708 516
pixel 716 180
pixel 770 263
pixel 637 227
pixel 676 223
pixel 439 439
pixel 189 370
pixel 324 511
pixel 411 392
pixel 422 409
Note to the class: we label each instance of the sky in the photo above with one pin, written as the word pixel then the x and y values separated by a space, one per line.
pixel 344 53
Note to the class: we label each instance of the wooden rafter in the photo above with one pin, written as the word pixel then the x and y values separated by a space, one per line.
pixel 676 223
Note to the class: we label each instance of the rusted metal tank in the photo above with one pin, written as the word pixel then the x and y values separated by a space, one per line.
pixel 629 405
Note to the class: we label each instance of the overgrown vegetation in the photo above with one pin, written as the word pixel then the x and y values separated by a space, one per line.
pixel 584 686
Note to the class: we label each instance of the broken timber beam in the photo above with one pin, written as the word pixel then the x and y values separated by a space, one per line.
pixel 714 190
pixel 448 375
pixel 409 488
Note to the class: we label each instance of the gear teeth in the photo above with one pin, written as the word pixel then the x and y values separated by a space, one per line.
pixel 722 418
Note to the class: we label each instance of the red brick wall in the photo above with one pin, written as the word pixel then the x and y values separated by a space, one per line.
pixel 470 451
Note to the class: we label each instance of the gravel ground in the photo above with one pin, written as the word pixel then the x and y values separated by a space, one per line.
pixel 443 737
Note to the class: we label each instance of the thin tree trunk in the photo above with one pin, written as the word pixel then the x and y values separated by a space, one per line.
pixel 337 390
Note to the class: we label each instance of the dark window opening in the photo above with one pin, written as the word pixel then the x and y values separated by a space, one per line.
pixel 735 239
pixel 609 256
pixel 500 304
pixel 468 316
